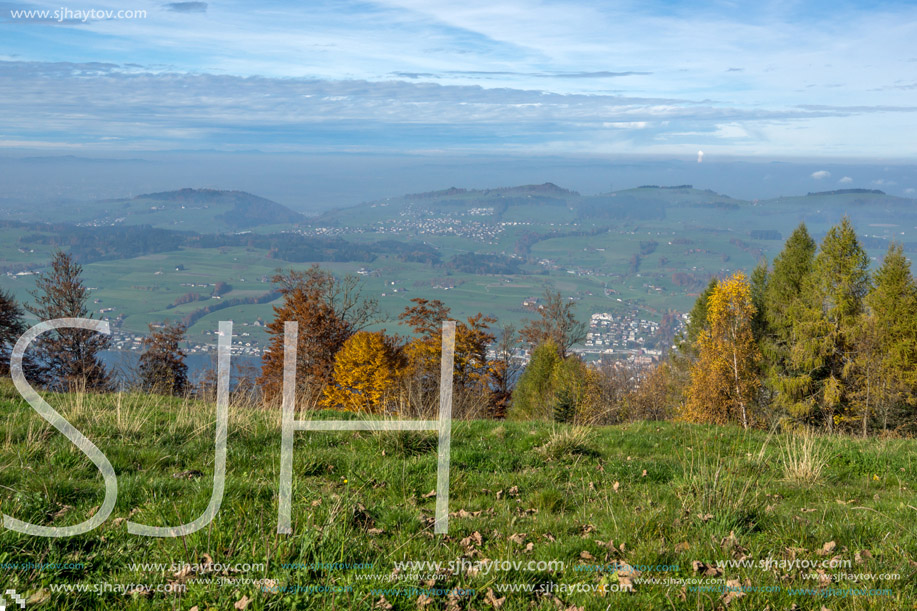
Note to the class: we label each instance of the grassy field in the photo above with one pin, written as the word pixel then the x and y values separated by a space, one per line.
pixel 616 505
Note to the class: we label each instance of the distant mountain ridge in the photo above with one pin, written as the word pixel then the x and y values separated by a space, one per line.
pixel 246 210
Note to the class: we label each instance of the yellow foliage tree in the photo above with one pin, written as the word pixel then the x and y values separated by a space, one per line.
pixel 724 380
pixel 366 369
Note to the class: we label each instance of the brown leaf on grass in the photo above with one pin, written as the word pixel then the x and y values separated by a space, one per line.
pixel 682 547
pixel 474 538
pixel 733 591
pixel 585 529
pixel 586 555
pixel 591 486
pixel 383 604
pixel 517 538
pixel 827 548
pixel 194 608
pixel 807 510
pixel 824 579
pixel 549 537
pixel 428 495
pixel 424 601
pixel 60 512
pixel 462 513
pixel 529 547
pixel 616 486
pixel 374 531
pixel 643 474
pixel 705 517
pixel 514 491
pixel 242 603
pixel 625 575
pixel 705 569
pixel 862 556
pixel 491 599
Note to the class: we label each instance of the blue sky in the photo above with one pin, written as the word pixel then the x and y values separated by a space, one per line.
pixel 766 80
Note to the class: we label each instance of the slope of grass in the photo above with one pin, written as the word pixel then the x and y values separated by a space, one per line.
pixel 638 494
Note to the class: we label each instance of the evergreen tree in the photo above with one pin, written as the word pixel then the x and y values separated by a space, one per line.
pixel 11 328
pixel 697 320
pixel 892 306
pixel 70 356
pixel 825 322
pixel 532 395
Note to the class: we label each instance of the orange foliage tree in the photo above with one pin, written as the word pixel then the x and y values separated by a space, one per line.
pixel 724 380
pixel 329 310
pixel 366 369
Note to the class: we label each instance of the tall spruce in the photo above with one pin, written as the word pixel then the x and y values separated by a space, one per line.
pixel 825 323
pixel 781 299
pixel 71 357
pixel 892 306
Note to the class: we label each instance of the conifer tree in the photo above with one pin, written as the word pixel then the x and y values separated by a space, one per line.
pixel 12 327
pixel 892 306
pixel 825 322
pixel 70 356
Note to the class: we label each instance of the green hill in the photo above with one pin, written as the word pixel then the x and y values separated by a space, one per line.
pixel 668 499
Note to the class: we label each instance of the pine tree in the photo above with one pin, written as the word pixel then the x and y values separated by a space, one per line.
pixel 724 380
pixel 71 356
pixel 781 296
pixel 532 395
pixel 162 365
pixel 892 308
pixel 825 322
pixel 11 328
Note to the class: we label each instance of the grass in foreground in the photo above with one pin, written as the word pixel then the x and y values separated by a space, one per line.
pixel 655 494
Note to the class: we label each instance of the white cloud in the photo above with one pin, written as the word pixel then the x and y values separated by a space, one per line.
pixel 819 175
pixel 846 180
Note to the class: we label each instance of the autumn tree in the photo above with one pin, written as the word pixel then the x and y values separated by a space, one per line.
pixel 329 310
pixel 71 356
pixel 556 322
pixel 162 366
pixel 503 369
pixel 366 369
pixel 471 389
pixel 825 323
pixel 724 380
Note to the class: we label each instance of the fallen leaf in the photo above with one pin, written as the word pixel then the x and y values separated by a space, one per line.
pixel 733 591
pixel 428 495
pixel 827 548
pixel 383 604
pixel 683 546
pixel 616 486
pixel 586 555
pixel 491 599
pixel 424 601
pixel 242 603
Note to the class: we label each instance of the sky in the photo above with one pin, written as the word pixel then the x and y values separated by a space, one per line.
pixel 772 78
pixel 765 81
